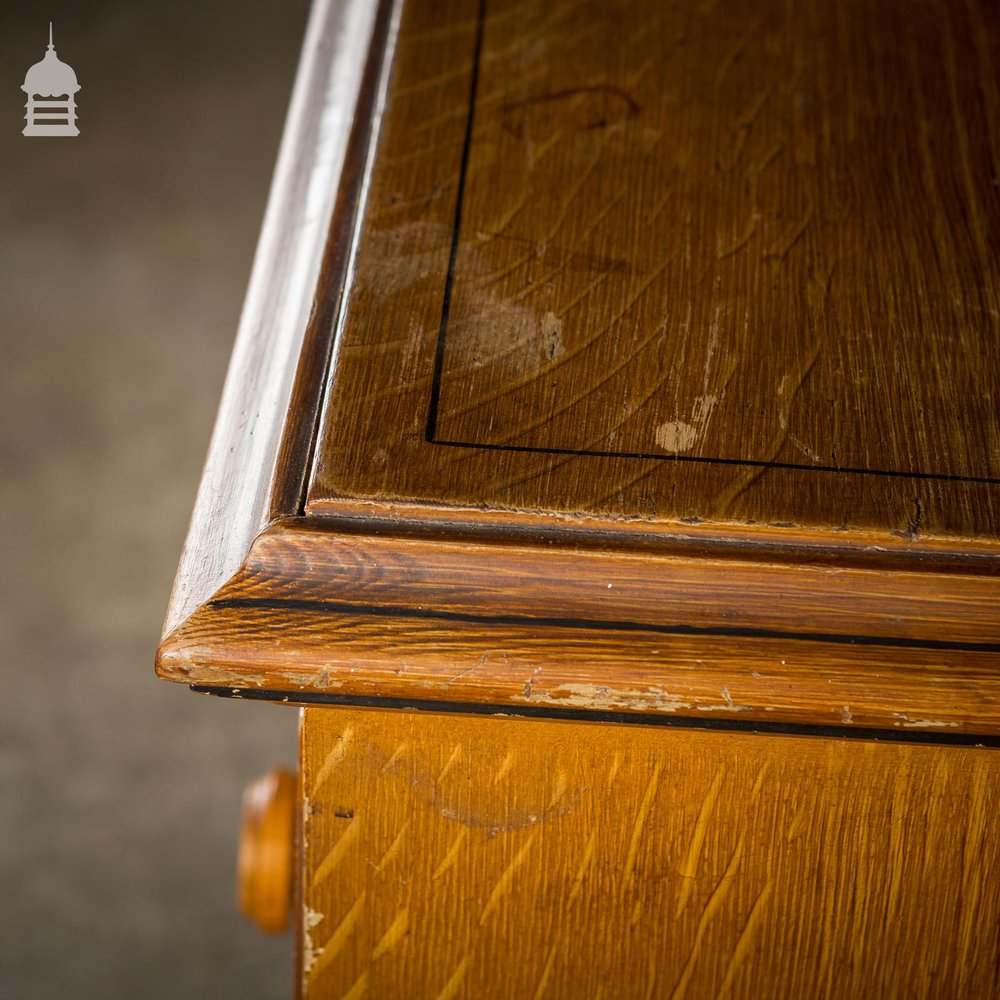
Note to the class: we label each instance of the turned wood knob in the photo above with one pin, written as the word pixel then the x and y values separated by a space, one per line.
pixel 266 859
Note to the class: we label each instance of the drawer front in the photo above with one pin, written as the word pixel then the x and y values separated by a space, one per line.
pixel 480 856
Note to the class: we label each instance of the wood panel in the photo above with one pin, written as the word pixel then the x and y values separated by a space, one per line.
pixel 657 263
pixel 450 857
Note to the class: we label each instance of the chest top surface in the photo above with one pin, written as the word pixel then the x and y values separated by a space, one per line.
pixel 642 358
pixel 678 263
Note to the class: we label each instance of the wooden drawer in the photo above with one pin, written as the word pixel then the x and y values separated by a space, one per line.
pixel 619 386
pixel 448 855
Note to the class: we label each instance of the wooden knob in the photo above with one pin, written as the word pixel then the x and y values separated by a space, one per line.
pixel 266 860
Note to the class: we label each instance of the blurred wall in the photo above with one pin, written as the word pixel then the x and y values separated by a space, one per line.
pixel 124 255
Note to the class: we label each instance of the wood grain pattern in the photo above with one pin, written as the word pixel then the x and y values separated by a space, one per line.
pixel 505 622
pixel 541 254
pixel 449 858
pixel 248 479
pixel 653 263
pixel 662 387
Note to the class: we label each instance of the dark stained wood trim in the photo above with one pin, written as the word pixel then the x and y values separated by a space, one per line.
pixel 307 699
pixel 300 430
pixel 247 465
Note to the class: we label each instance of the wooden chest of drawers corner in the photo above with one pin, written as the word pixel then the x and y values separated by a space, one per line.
pixel 609 469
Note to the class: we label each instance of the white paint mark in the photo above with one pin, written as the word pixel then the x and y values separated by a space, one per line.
pixel 675 436
pixel 599 696
pixel 310 953
pixel 909 723
pixel 551 327
pixel 678 435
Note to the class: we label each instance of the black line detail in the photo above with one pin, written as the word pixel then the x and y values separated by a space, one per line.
pixel 621 718
pixel 595 625
pixel 430 434
pixel 752 463
pixel 432 410
pixel 636 537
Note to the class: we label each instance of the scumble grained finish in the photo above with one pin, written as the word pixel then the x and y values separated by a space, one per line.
pixel 503 622
pixel 695 240
pixel 664 387
pixel 689 260
pixel 251 468
pixel 453 858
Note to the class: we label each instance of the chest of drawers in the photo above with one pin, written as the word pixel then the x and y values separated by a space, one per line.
pixel 610 467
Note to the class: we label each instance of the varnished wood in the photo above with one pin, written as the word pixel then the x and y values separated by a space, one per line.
pixel 430 618
pixel 450 857
pixel 451 575
pixel 651 375
pixel 256 460
pixel 266 861
pixel 684 262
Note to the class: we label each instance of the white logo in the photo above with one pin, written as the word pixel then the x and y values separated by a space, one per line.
pixel 50 78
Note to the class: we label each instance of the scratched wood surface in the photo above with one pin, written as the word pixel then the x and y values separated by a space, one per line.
pixel 449 857
pixel 362 610
pixel 680 261
pixel 666 380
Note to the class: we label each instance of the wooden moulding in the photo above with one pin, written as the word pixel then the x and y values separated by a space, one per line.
pixel 389 513
pixel 341 610
pixel 263 429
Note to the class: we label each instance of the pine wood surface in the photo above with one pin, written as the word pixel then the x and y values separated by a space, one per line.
pixel 765 236
pixel 501 622
pixel 689 261
pixel 451 857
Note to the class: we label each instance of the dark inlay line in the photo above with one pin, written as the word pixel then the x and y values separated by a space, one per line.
pixel 595 625
pixel 594 453
pixel 432 410
pixel 439 357
pixel 621 718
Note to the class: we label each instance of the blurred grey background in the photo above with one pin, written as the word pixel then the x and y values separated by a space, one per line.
pixel 124 255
